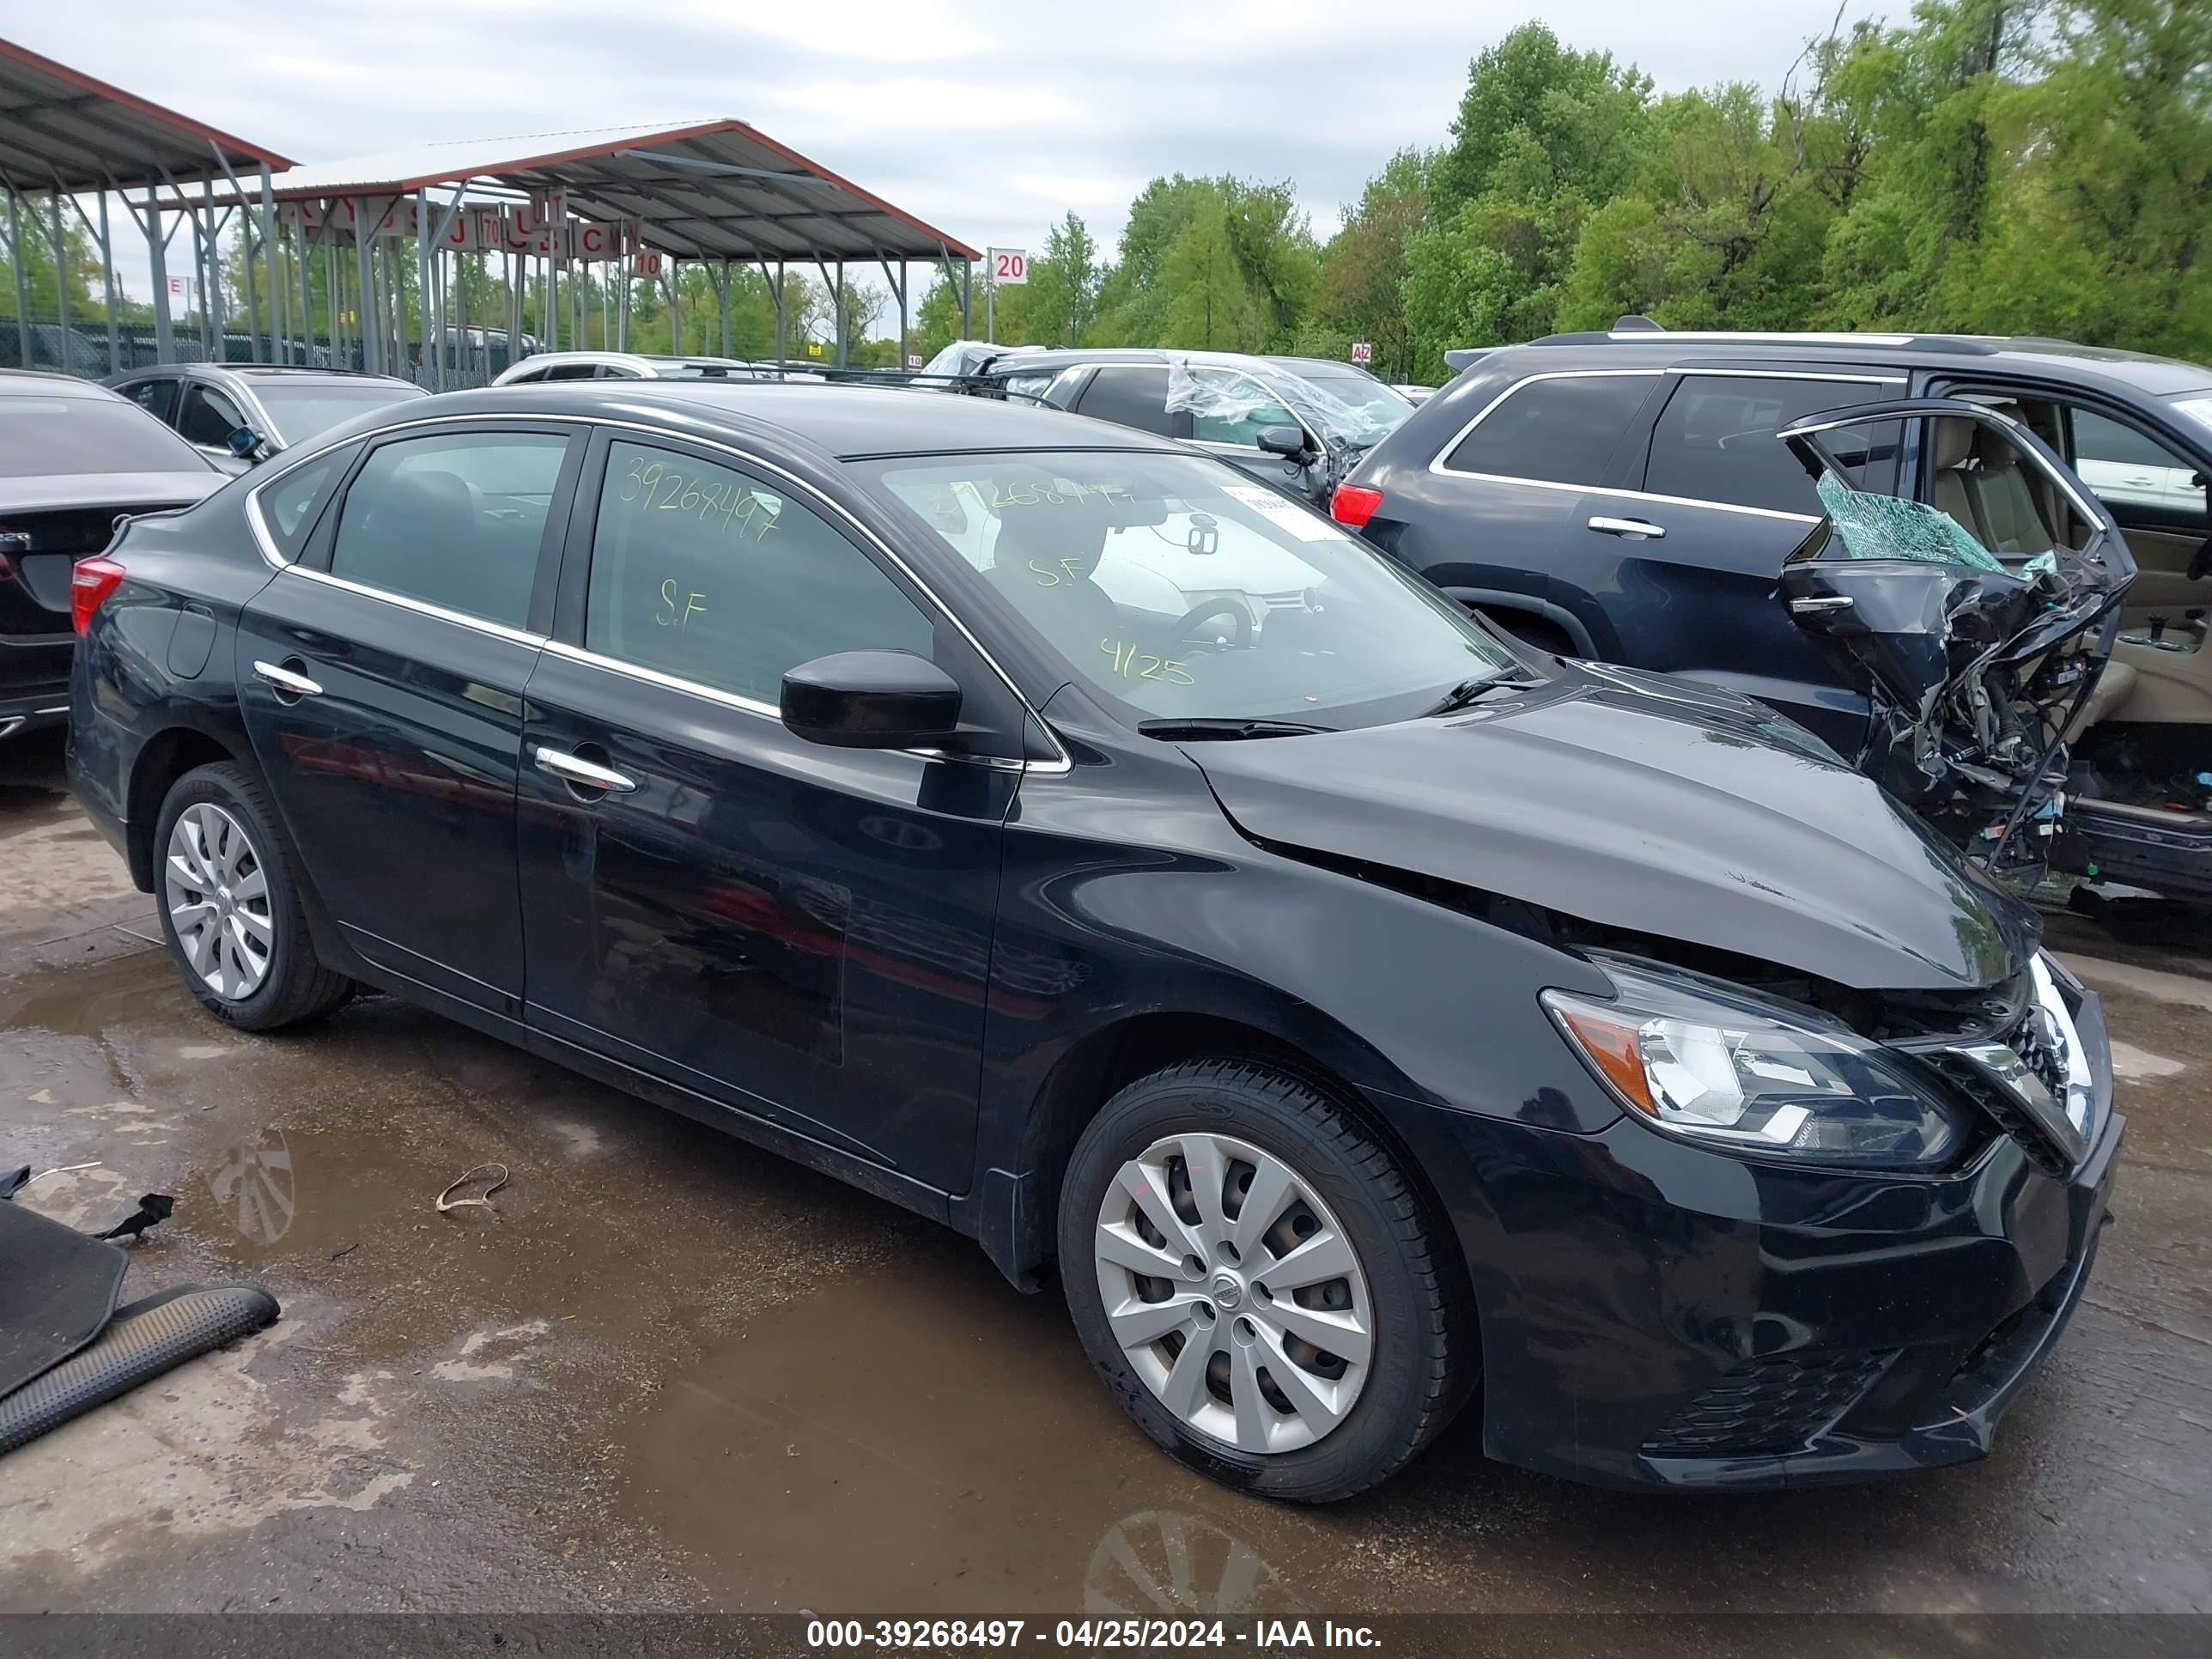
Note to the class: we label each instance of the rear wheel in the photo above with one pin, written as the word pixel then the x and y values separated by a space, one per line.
pixel 1255 1279
pixel 230 908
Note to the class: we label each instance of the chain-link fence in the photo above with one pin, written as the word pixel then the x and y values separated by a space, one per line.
pixel 82 348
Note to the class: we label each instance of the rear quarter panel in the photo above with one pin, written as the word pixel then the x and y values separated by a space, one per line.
pixel 159 655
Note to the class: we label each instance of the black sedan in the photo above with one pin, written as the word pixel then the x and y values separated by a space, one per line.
pixel 1354 1006
pixel 72 458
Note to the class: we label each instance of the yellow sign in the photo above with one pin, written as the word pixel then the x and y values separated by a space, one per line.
pixel 814 348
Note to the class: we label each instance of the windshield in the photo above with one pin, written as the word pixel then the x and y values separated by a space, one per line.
pixel 1176 587
pixel 301 409
pixel 1374 406
pixel 46 437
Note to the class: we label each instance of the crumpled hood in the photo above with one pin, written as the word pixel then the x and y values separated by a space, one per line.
pixel 1645 802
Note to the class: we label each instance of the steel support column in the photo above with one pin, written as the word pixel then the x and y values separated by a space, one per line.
pixel 108 279
pixel 22 294
pixel 62 352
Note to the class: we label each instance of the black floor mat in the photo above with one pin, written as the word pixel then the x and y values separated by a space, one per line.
pixel 58 1290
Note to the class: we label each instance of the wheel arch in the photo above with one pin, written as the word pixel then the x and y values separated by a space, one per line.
pixel 1498 603
pixel 182 748
pixel 1020 1204
pixel 162 759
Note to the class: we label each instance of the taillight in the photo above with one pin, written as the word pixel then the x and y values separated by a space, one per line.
pixel 1353 505
pixel 90 583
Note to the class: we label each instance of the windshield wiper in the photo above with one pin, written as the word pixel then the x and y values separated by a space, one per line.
pixel 1468 691
pixel 1199 728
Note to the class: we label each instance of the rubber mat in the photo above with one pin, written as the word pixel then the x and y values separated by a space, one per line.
pixel 57 1288
pixel 145 1341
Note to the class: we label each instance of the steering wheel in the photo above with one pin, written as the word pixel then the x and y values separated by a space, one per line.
pixel 1212 608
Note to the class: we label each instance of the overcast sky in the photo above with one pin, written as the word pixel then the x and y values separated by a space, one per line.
pixel 988 118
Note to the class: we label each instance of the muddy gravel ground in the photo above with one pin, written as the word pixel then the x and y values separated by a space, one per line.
pixel 672 1372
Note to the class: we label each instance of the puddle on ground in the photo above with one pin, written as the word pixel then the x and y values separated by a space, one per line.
pixel 925 1439
pixel 92 1000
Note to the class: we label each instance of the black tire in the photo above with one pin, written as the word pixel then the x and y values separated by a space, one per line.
pixel 296 986
pixel 1424 1355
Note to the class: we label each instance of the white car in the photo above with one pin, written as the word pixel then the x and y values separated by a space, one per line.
pixel 636 366
pixel 2122 466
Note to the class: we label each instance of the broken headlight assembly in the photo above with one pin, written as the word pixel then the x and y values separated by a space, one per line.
pixel 1734 1072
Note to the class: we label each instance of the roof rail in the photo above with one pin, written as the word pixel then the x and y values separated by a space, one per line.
pixel 1635 322
pixel 1630 331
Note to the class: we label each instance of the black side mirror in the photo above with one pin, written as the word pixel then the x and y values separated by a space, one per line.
pixel 244 442
pixel 871 700
pixel 1288 441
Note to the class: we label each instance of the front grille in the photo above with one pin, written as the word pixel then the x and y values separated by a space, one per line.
pixel 2009 1115
pixel 1768 1408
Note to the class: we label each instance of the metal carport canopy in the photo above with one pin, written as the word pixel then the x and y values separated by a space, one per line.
pixel 704 190
pixel 61 129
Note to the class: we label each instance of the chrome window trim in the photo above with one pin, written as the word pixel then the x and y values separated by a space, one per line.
pixel 806 492
pixel 1640 496
pixel 1437 467
pixel 1798 374
pixel 422 607
pixel 768 711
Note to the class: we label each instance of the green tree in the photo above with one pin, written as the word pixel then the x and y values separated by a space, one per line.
pixel 1209 305
pixel 1543 135
pixel 1063 288
pixel 1357 293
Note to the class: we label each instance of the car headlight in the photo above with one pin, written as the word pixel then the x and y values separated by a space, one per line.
pixel 1725 1068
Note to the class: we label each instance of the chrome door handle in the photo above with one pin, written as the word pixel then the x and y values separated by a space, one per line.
pixel 1628 527
pixel 571 768
pixel 284 679
pixel 1831 602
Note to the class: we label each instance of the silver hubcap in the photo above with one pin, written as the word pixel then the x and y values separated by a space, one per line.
pixel 1234 1292
pixel 218 897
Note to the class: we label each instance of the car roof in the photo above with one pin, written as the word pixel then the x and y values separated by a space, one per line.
pixel 1057 357
pixel 2028 353
pixel 45 383
pixel 295 372
pixel 840 423
pixel 259 372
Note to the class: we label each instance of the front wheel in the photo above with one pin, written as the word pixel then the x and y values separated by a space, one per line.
pixel 230 906
pixel 1257 1281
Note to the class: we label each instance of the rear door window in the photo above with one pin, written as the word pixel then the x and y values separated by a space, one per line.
pixel 1562 429
pixel 209 417
pixel 1715 441
pixel 1130 395
pixel 157 397
pixel 456 521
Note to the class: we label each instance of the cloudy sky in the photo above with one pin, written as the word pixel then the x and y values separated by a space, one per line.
pixel 987 118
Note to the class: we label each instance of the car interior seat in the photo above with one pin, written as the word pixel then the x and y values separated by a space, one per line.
pixel 1043 561
pixel 420 536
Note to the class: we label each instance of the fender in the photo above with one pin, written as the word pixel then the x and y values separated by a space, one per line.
pixel 1111 959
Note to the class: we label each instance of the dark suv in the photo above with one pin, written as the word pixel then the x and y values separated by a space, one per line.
pixel 1623 496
